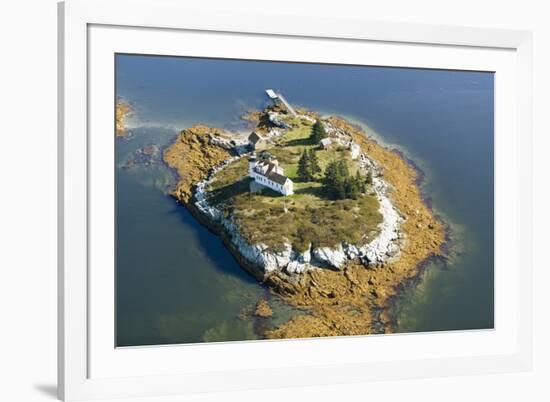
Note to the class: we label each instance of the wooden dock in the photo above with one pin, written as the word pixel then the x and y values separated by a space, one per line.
pixel 275 96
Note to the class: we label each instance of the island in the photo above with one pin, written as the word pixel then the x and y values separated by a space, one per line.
pixel 331 221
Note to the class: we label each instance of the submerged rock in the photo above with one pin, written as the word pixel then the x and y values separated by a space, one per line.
pixel 148 155
pixel 263 309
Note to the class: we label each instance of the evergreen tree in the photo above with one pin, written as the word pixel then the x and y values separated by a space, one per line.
pixel 335 179
pixel 304 169
pixel 308 165
pixel 339 184
pixel 362 185
pixel 331 173
pixel 369 177
pixel 314 163
pixel 343 168
pixel 352 188
pixel 317 132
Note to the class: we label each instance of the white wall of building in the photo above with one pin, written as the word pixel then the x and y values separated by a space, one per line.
pixel 286 189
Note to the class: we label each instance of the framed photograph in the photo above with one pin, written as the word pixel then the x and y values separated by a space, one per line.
pixel 251 201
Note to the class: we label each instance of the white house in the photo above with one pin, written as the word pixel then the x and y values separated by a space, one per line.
pixel 268 173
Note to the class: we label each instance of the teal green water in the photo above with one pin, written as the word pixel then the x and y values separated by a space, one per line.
pixel 176 283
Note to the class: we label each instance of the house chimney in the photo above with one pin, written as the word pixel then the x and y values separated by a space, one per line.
pixel 251 164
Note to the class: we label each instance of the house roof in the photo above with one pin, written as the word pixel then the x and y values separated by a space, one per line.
pixel 326 141
pixel 265 154
pixel 270 167
pixel 254 138
pixel 277 178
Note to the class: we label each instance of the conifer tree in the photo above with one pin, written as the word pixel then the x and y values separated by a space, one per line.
pixel 318 132
pixel 352 188
pixel 343 168
pixel 369 177
pixel 362 185
pixel 314 163
pixel 339 184
pixel 304 167
pixel 331 173
pixel 335 179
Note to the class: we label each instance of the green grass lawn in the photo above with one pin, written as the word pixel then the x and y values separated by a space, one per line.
pixel 308 216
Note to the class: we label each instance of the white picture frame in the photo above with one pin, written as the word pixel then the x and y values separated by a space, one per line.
pixel 90 367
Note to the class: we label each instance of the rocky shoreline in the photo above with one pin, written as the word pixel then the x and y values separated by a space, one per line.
pixel 122 111
pixel 354 296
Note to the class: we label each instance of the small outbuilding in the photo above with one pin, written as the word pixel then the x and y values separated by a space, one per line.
pixel 255 141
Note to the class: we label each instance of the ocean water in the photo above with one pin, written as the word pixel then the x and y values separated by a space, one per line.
pixel 175 281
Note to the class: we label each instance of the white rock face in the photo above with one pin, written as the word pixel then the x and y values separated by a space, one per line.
pixel 306 117
pixel 333 257
pixel 221 142
pixel 276 120
pixel 305 257
pixel 385 244
pixel 239 146
pixel 351 251
pixel 296 267
pixel 300 262
pixel 259 255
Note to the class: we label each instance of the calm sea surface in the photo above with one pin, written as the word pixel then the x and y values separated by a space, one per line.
pixel 176 283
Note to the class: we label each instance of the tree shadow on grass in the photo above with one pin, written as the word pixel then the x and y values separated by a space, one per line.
pixel 267 192
pixel 224 193
pixel 316 191
pixel 299 142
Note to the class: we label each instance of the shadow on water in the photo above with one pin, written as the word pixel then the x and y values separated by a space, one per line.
pixel 212 245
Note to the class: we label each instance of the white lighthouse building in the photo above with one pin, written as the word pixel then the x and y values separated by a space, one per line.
pixel 267 172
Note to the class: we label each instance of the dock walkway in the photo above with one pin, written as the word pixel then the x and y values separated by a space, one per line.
pixel 271 93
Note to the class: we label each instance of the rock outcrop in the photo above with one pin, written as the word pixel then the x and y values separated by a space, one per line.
pixel 192 155
pixel 263 310
pixel 276 120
